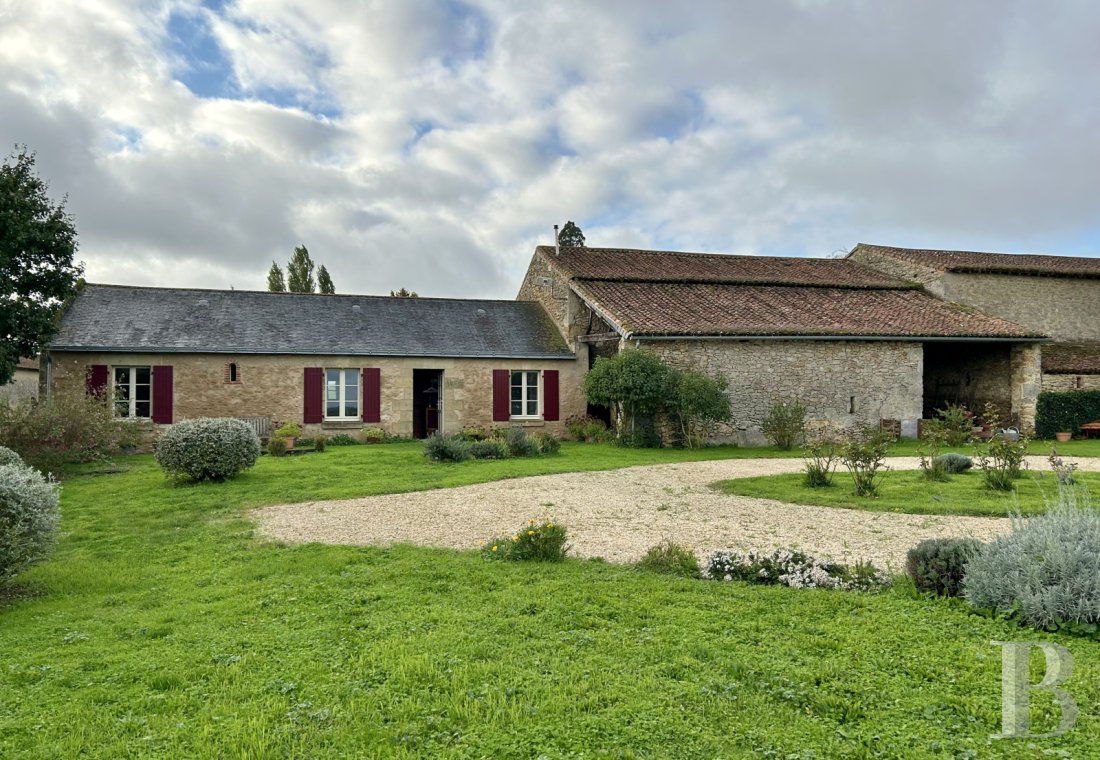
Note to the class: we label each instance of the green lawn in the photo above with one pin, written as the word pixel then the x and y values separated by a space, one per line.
pixel 164 628
pixel 907 491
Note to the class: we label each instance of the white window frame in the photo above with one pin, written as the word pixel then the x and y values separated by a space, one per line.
pixel 524 400
pixel 343 387
pixel 133 400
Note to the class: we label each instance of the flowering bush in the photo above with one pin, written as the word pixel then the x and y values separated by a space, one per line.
pixel 545 444
pixel 208 448
pixel 794 568
pixel 474 433
pixel 957 423
pixel 446 448
pixel 539 541
pixel 1062 470
pixel 1002 457
pixel 865 457
pixel 822 454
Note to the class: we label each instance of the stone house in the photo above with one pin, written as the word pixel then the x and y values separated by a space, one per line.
pixel 1055 295
pixel 855 344
pixel 25 382
pixel 334 363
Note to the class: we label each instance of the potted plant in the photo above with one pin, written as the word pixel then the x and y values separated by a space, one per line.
pixel 288 431
pixel 1063 436
pixel 373 434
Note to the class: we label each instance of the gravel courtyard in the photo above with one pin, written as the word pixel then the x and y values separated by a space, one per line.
pixel 618 514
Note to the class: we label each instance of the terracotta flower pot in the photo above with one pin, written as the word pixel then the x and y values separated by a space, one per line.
pixel 1062 437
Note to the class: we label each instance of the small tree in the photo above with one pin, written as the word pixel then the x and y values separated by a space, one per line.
pixel 299 272
pixel 275 281
pixel 700 401
pixel 324 281
pixel 37 272
pixel 571 235
pixel 633 382
pixel 403 293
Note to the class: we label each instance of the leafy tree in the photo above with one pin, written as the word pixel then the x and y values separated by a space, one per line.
pixel 633 382
pixel 324 281
pixel 403 293
pixel 275 281
pixel 571 235
pixel 699 402
pixel 299 272
pixel 37 271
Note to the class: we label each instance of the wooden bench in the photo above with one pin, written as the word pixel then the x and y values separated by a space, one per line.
pixel 1089 429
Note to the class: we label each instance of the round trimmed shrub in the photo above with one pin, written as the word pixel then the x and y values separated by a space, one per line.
pixel 28 518
pixel 954 463
pixel 7 456
pixel 937 565
pixel 208 448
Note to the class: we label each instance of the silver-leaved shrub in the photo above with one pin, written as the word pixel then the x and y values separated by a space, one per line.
pixel 28 517
pixel 1046 572
pixel 207 448
pixel 7 456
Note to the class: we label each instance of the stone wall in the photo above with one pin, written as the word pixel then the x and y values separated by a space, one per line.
pixel 1027 380
pixel 1062 383
pixel 272 386
pixel 1062 307
pixel 842 383
pixel 930 278
pixel 23 385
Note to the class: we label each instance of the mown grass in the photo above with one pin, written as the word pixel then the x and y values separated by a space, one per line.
pixel 164 628
pixel 908 491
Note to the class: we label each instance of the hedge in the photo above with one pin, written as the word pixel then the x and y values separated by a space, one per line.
pixel 1057 412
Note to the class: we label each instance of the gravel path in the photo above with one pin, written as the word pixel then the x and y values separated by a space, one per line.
pixel 618 514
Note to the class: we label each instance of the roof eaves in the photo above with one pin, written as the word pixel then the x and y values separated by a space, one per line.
pixel 565 355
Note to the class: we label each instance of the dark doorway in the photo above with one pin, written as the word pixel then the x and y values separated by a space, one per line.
pixel 427 401
pixel 970 374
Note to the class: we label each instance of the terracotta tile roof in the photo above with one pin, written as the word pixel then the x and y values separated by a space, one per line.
pixel 993 263
pixel 624 265
pixel 1072 358
pixel 666 308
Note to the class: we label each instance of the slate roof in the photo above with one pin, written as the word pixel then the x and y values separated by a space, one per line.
pixel 123 318
pixel 993 263
pixel 625 265
pixel 1072 358
pixel 658 293
pixel 699 309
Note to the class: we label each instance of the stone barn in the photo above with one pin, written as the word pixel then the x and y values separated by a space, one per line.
pixel 855 345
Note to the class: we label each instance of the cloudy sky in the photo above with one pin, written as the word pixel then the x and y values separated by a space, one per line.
pixel 432 144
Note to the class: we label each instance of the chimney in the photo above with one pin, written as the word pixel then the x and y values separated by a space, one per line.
pixel 557 248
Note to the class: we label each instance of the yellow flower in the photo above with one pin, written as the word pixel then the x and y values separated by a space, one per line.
pixel 549 525
pixel 530 532
pixel 494 548
pixel 515 537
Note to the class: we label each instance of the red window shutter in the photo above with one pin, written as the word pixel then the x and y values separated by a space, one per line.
pixel 96 380
pixel 313 408
pixel 550 403
pixel 372 394
pixel 162 395
pixel 501 388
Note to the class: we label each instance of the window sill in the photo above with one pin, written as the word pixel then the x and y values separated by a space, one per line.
pixel 341 424
pixel 527 421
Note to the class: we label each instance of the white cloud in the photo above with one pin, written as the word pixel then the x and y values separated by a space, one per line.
pixel 454 135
